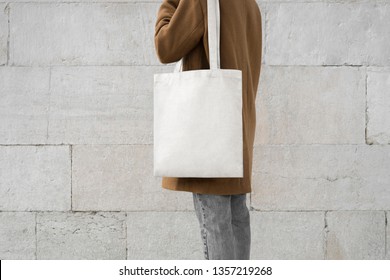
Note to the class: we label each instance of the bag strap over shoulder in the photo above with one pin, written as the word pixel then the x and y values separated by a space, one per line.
pixel 213 25
pixel 214 33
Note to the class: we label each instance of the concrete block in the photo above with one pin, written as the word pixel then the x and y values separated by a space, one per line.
pixel 372 169
pixel 312 1
pixel 81 235
pixel 387 257
pixel 97 1
pixel 355 235
pixel 321 177
pixel 378 106
pixel 35 178
pixel 353 33
pixel 3 33
pixel 120 178
pixel 24 101
pixel 178 236
pixel 287 235
pixel 17 236
pixel 102 105
pixel 82 33
pixel 310 105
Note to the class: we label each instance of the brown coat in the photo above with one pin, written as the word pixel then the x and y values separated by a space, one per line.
pixel 181 31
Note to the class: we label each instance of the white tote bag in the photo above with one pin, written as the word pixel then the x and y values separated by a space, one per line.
pixel 198 116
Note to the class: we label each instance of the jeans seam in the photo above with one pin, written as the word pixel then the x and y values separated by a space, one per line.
pixel 204 233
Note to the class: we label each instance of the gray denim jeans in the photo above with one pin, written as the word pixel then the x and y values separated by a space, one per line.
pixel 224 226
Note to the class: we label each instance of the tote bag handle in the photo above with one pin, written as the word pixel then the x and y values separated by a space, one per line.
pixel 213 25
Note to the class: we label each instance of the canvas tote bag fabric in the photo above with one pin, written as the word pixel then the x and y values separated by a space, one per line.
pixel 198 116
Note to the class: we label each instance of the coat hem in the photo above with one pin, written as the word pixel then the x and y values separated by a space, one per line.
pixel 217 190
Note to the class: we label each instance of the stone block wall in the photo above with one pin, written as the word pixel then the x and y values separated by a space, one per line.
pixel 76 134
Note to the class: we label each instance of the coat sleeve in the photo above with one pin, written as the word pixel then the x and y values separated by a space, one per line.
pixel 179 28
